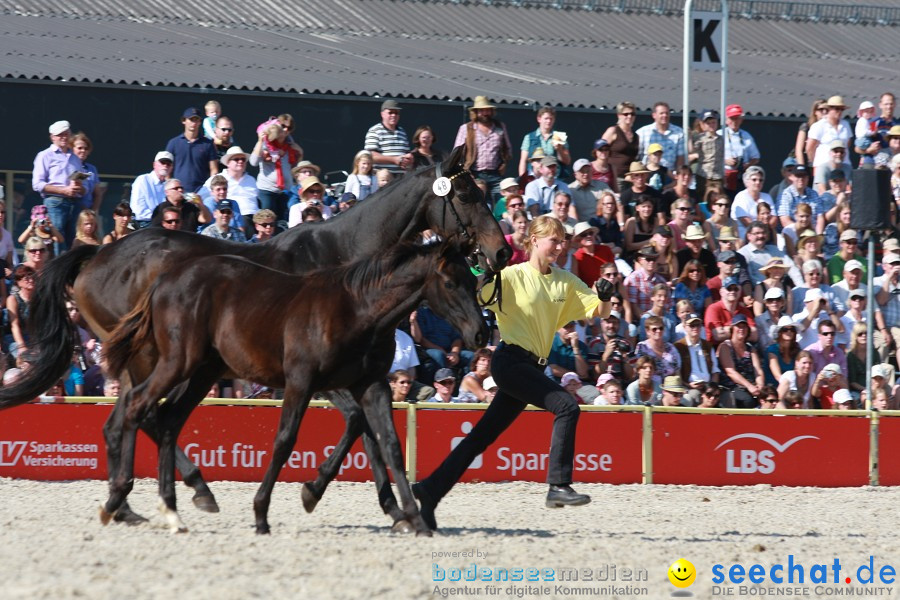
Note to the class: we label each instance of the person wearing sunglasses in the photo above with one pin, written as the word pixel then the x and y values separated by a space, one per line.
pixel 848 253
pixel 699 363
pixel 742 373
pixel 223 135
pixel 221 227
pixel 781 354
pixel 193 211
pixel 624 144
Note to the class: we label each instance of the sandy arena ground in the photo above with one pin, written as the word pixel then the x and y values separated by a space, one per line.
pixel 53 545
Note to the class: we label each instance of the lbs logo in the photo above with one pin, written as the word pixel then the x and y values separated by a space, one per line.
pixel 745 460
pixel 11 452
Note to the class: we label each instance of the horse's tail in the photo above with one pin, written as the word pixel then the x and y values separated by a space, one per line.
pixel 129 335
pixel 52 333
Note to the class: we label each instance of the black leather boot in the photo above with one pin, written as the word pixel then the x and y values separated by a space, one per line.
pixel 564 495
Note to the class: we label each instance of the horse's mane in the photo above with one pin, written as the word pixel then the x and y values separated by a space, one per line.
pixel 362 275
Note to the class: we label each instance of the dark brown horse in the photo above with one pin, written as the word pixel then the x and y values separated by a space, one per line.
pixel 326 330
pixel 109 282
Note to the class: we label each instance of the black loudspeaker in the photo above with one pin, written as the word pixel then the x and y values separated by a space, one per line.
pixel 870 206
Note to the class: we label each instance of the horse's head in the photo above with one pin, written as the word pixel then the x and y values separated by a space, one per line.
pixel 463 212
pixel 450 291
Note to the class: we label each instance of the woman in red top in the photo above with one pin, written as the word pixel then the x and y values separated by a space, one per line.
pixel 516 239
pixel 589 256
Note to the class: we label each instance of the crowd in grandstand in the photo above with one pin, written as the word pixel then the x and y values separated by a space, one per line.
pixel 735 288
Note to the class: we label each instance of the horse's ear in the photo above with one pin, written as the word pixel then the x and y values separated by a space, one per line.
pixel 455 160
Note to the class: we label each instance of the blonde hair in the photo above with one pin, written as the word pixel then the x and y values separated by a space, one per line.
pixel 83 216
pixel 359 156
pixel 544 226
pixel 213 104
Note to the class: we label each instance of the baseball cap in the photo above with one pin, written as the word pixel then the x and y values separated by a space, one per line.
pixel 444 374
pixel 192 111
pixel 489 384
pixel 726 255
pixel 348 197
pixel 832 368
pixel 891 258
pixel 693 317
pixel 730 281
pixel 664 230
pixel 58 127
pixel 653 148
pixel 774 293
pixel 849 234
pixel 580 164
pixel 569 378
pixel 813 295
pixel 837 175
pixel 801 170
pixel 790 161
pixel 709 114
pixel 842 396
pixel 601 143
pixel 857 293
pixel 890 244
pixel 224 205
pixel 864 105
pixel 613 314
pixel 852 265
pixel 739 318
pixel 734 110
pixel 648 252
pixel 164 155
pixel 837 144
pixel 391 105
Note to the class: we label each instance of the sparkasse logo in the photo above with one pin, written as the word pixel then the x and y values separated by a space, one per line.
pixel 11 452
pixel 746 460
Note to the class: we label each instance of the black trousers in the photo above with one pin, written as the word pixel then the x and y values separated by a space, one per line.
pixel 521 381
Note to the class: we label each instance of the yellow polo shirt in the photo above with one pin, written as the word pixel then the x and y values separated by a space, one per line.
pixel 535 306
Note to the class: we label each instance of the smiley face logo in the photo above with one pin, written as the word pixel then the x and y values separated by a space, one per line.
pixel 682 573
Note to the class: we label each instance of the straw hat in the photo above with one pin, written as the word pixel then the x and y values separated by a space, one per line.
pixel 584 227
pixel 673 383
pixel 836 102
pixel 637 168
pixel 693 232
pixel 809 233
pixel 726 234
pixel 481 102
pixel 231 153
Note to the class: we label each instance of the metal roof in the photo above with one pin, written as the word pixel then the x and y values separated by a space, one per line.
pixel 518 52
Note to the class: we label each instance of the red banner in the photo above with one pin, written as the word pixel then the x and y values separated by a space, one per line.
pixel 607 447
pixel 889 451
pixel 747 450
pixel 58 442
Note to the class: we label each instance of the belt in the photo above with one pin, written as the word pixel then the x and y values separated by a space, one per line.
pixel 539 360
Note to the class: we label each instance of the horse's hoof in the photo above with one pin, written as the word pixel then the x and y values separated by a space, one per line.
pixel 105 517
pixel 309 498
pixel 128 516
pixel 263 530
pixel 206 503
pixel 402 526
pixel 424 533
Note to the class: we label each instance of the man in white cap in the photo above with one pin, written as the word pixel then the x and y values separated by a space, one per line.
pixel 836 153
pixel 585 191
pixel 51 178
pixel 847 254
pixel 149 190
pixel 241 187
pixel 508 187
pixel 816 310
pixel 887 294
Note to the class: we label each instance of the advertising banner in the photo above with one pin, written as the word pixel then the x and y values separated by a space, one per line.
pixel 889 450
pixel 60 442
pixel 747 450
pixel 607 448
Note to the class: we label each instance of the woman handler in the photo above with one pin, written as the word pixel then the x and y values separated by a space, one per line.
pixel 537 300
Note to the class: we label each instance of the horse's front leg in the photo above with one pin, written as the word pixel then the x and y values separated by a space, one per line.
pixel 377 406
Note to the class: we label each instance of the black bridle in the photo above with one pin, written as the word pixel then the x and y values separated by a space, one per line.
pixel 473 258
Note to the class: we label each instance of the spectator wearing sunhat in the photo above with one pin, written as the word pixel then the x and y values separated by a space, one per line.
pixel 637 175
pixel 586 192
pixel 552 142
pixel 540 193
pixel 488 149
pixel 849 251
pixel 774 302
pixel 825 131
pixel 387 140
pixel 312 193
pixel 693 238
pixel 741 151
pixel 241 187
pixel 508 187
pixel 673 391
pixel 892 149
